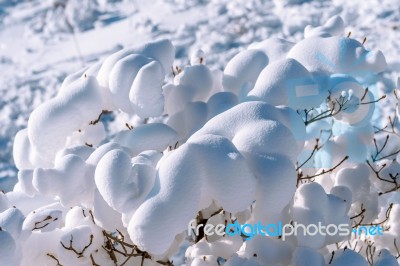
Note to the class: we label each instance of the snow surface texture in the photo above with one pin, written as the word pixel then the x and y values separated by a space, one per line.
pixel 135 145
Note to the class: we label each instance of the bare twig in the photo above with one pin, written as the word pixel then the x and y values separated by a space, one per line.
pixel 104 112
pixel 397 249
pixel 79 253
pixel 299 178
pixel 39 225
pixel 315 149
pixel 54 258
pixel 93 261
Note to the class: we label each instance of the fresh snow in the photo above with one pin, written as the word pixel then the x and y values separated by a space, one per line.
pixel 124 120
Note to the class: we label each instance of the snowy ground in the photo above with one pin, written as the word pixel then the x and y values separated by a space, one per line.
pixel 43 41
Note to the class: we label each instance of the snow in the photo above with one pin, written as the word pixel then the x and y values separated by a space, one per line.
pixel 333 26
pixel 146 92
pixel 134 182
pixel 132 118
pixel 337 55
pixel 45 220
pixel 8 251
pixel 155 136
pixel 303 256
pixel 47 127
pixel 242 70
pixel 348 257
pixel 313 206
pixel 193 83
pixel 66 180
pixel 298 92
pixel 11 221
pixel 191 160
pixel 274 48
pixel 266 251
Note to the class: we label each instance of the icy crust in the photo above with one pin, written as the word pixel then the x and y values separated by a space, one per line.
pixel 226 153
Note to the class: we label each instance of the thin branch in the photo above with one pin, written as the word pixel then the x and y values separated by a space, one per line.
pixel 54 258
pixel 333 254
pixel 93 261
pixel 365 94
pixel 103 112
pixel 397 249
pixel 325 171
pixel 387 216
pixel 315 149
pixel 375 101
pixel 80 254
pixel 364 40
pixel 38 225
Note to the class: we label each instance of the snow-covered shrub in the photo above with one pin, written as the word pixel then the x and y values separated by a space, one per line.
pixel 284 135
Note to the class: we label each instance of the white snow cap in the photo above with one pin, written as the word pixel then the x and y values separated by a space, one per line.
pixel 274 48
pixel 131 79
pixel 155 136
pixel 121 78
pixel 357 179
pixel 66 180
pixel 287 82
pixel 146 91
pixel 187 173
pixel 25 156
pixel 52 122
pixel 123 185
pixel 4 203
pixel 11 221
pixel 242 70
pixel 348 257
pixel 163 51
pixel 333 26
pixel 8 252
pixel 337 55
pixel 224 247
pixel 197 57
pixel 193 83
pixel 303 256
pixel 267 251
pixel 45 220
pixel 213 165
pixel 311 206
pixel 386 259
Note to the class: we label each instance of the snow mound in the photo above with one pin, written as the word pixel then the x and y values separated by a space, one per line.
pixel 337 55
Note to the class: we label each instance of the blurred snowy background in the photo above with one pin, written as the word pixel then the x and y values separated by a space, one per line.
pixel 41 41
